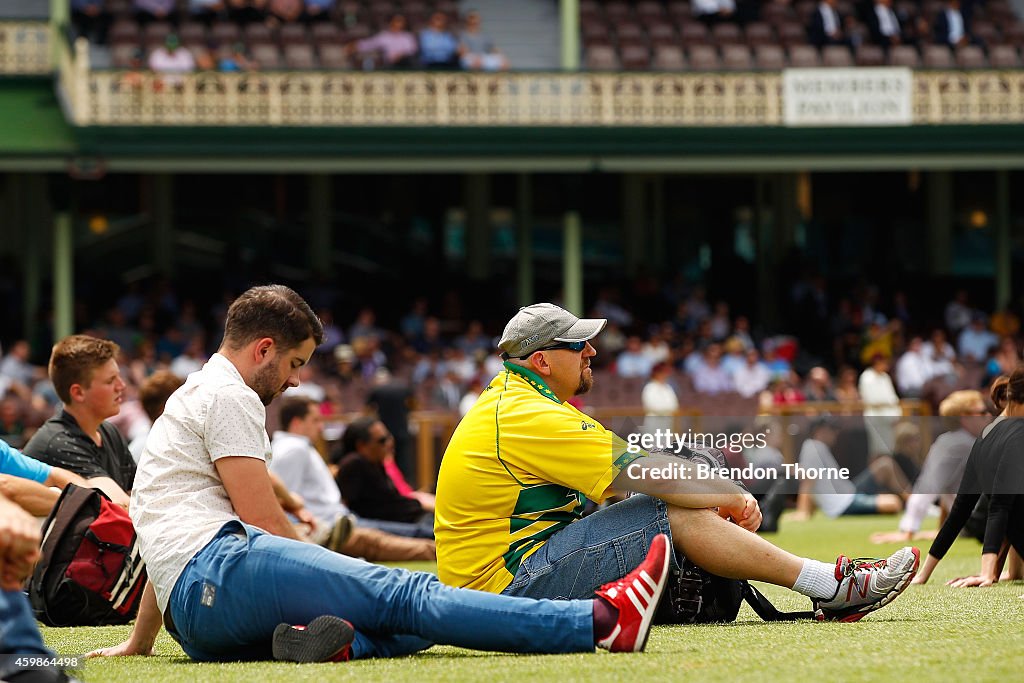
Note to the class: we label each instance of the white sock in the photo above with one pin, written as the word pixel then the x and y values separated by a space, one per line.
pixel 817 580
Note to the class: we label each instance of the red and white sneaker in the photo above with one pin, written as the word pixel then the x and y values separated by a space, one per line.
pixel 636 596
pixel 325 639
pixel 867 584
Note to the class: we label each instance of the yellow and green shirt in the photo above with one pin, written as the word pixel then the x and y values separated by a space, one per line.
pixel 516 471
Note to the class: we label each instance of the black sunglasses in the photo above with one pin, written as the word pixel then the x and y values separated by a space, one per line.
pixel 568 346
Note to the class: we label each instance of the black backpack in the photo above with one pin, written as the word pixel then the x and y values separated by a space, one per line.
pixel 696 596
pixel 89 572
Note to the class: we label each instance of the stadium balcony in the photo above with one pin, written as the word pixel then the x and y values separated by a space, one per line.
pixel 25 47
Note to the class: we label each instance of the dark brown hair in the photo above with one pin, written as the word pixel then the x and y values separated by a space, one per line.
pixel 273 311
pixel 73 360
pixel 155 391
pixel 998 392
pixel 1015 385
pixel 294 407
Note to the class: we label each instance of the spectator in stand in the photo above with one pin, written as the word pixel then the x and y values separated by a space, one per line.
pixel 913 369
pixel 173 60
pixel 826 27
pixel 975 340
pixel 720 325
pixel 333 336
pixel 965 416
pixel 16 366
pixel 439 49
pixel 470 396
pixel 907 450
pixel 192 358
pixel 1005 323
pixel 319 10
pixel 633 362
pixel 714 11
pixel 881 405
pixel 283 11
pixel 85 375
pixel 247 11
pixel 206 11
pixel 613 341
pixel 90 19
pixel 884 24
pixel 659 399
pixel 396 46
pixel 154 10
pixel 430 340
pixel 818 386
pixel 153 395
pixel 846 388
pixel 448 392
pixel 608 306
pixel 392 400
pixel 13 427
pixel 474 341
pixel 238 60
pixel 950 27
pixel 478 52
pixel 711 377
pixel 365 325
pixel 940 355
pixel 735 357
pixel 741 331
pixel 753 377
pixel 958 314
pixel 365 485
pixel 656 348
pixel 1005 359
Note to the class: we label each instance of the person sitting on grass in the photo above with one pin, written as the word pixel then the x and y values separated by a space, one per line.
pixel 994 468
pixel 965 416
pixel 866 494
pixel 522 462
pixel 229 577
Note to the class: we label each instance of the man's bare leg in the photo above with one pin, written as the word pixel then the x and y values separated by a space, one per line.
pixel 722 548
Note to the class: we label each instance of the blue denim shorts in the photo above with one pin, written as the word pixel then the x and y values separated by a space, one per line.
pixel 588 553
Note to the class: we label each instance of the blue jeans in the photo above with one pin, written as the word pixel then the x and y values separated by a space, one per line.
pixel 590 552
pixel 423 529
pixel 19 634
pixel 245 582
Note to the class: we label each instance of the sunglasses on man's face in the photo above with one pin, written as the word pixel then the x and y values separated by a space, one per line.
pixel 568 346
pixel 383 439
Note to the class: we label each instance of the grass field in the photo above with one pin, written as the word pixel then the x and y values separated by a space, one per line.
pixel 931 633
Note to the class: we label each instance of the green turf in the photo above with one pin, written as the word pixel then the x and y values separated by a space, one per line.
pixel 932 633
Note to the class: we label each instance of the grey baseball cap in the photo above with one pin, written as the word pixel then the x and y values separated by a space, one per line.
pixel 540 325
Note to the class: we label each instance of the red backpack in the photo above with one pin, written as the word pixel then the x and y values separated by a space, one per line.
pixel 89 572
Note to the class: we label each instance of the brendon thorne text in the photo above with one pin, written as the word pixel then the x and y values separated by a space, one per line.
pixel 702 471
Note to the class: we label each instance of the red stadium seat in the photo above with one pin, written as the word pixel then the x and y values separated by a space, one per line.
pixel 266 55
pixel 334 56
pixel 986 32
pixel 970 57
pixel 224 32
pixel 769 57
pixel 836 55
pixel 726 33
pixel 1004 57
pixel 668 58
pixel 804 56
pixel 937 57
pixel 737 57
pixel 602 58
pixel 869 55
pixel 760 33
pixel 293 34
pixel 694 34
pixel 635 57
pixel 904 55
pixel 299 57
pixel 662 33
pixel 791 33
pixel 704 58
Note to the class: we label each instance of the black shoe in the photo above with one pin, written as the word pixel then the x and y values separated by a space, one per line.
pixel 325 639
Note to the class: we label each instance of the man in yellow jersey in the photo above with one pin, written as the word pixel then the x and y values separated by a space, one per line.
pixel 513 480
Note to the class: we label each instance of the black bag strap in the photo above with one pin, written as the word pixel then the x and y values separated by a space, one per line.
pixel 766 610
pixel 65 512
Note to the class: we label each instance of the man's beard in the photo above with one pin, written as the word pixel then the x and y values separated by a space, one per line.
pixel 586 383
pixel 264 383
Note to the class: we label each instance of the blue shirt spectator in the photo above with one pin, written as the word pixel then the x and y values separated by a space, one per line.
pixel 438 47
pixel 976 341
pixel 17 464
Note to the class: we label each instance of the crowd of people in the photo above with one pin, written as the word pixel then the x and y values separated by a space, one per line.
pixel 216 505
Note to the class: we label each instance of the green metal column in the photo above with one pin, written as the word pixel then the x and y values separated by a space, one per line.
pixel 939 219
pixel 63 275
pixel 478 225
pixel 1003 274
pixel 634 222
pixel 320 243
pixel 524 242
pixel 659 238
pixel 163 223
pixel 570 16
pixel 572 264
pixel 60 13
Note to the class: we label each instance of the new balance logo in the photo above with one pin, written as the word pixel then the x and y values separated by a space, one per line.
pixel 862 589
